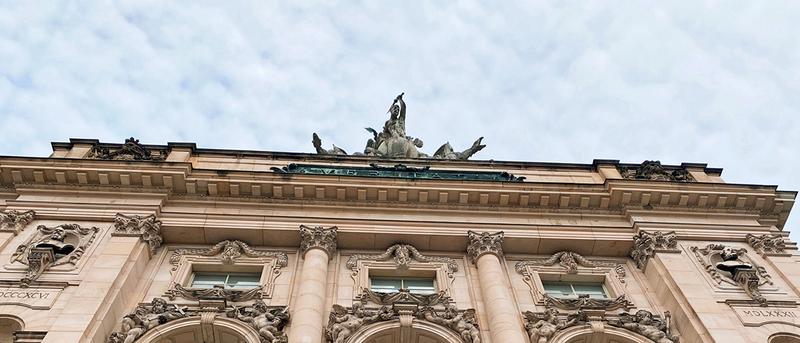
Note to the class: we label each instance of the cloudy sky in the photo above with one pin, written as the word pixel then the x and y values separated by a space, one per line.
pixel 690 81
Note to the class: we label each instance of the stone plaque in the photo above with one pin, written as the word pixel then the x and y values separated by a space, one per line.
pixel 757 316
pixel 35 298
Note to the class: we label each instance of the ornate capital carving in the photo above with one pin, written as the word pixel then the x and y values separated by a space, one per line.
pixel 148 228
pixel 768 244
pixel 52 246
pixel 14 221
pixel 403 254
pixel 653 170
pixel 647 244
pixel 318 237
pixel 484 243
pixel 228 252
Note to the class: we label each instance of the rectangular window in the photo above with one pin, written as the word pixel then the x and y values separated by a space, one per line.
pixel 226 280
pixel 594 290
pixel 413 285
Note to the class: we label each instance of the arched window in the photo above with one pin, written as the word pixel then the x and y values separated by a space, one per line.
pixel 784 338
pixel 9 325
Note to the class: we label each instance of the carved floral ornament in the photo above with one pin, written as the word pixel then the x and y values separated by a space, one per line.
pixel 543 326
pixel 268 321
pixel 52 246
pixel 131 150
pixel 318 237
pixel 14 221
pixel 767 244
pixel 646 244
pixel 484 243
pixel 146 227
pixel 729 265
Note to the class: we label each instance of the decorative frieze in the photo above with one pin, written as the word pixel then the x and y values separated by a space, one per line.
pixel 131 150
pixel 767 244
pixel 52 246
pixel 402 255
pixel 318 237
pixel 144 318
pixel 543 326
pixel 148 228
pixel 647 243
pixel 730 265
pixel 484 243
pixel 398 171
pixel 215 293
pixel 653 170
pixel 228 252
pixel 14 221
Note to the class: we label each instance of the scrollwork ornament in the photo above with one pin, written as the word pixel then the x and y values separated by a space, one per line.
pixel 731 265
pixel 216 292
pixel 318 237
pixel 484 243
pixel 653 170
pixel 646 244
pixel 148 228
pixel 52 246
pixel 14 221
pixel 131 150
pixel 767 244
pixel 403 254
pixel 229 251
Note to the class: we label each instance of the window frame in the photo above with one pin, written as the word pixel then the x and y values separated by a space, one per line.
pixel 227 277
pixel 575 294
pixel 612 280
pixel 403 279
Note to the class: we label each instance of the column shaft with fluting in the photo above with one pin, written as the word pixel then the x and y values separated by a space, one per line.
pixel 307 320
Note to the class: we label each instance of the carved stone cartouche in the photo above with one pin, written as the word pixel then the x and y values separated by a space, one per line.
pixel 228 251
pixel 146 227
pixel 393 142
pixel 131 150
pixel 733 266
pixel 269 323
pixel 14 221
pixel 145 318
pixel 318 237
pixel 52 246
pixel 403 254
pixel 767 244
pixel 653 170
pixel 484 243
pixel 646 244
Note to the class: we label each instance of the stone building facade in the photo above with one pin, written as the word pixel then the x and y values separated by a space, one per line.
pixel 174 244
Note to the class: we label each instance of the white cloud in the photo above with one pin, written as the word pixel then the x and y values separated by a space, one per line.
pixel 679 81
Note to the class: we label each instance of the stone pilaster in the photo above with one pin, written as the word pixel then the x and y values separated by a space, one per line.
pixel 317 245
pixel 485 250
pixel 647 244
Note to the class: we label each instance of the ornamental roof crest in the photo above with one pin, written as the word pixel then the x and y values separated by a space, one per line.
pixel 393 142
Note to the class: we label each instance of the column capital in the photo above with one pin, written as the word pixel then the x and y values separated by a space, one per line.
pixel 148 228
pixel 484 243
pixel 318 237
pixel 646 244
pixel 14 221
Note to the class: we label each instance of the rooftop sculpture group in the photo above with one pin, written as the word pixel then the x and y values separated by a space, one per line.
pixel 393 142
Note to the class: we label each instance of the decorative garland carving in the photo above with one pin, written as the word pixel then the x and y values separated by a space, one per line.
pixel 148 228
pixel 318 237
pixel 228 252
pixel 767 244
pixel 404 296
pixel 647 244
pixel 214 293
pixel 144 318
pixel 733 266
pixel 52 246
pixel 403 255
pixel 583 301
pixel 14 221
pixel 653 170
pixel 543 326
pixel 131 150
pixel 344 322
pixel 484 243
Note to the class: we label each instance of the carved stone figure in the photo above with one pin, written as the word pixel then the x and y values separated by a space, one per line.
pixel 145 318
pixel 646 244
pixel 645 324
pixel 403 255
pixel 14 221
pixel 653 170
pixel 484 243
pixel 343 323
pixel 733 266
pixel 50 247
pixel 228 252
pixel 464 322
pixel 146 227
pixel 542 327
pixel 131 150
pixel 268 323
pixel 767 244
pixel 394 142
pixel 318 237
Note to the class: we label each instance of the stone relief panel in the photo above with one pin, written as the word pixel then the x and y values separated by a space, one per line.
pixel 146 227
pixel 15 221
pixel 48 247
pixel 611 272
pixel 400 257
pixel 728 265
pixel 234 256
